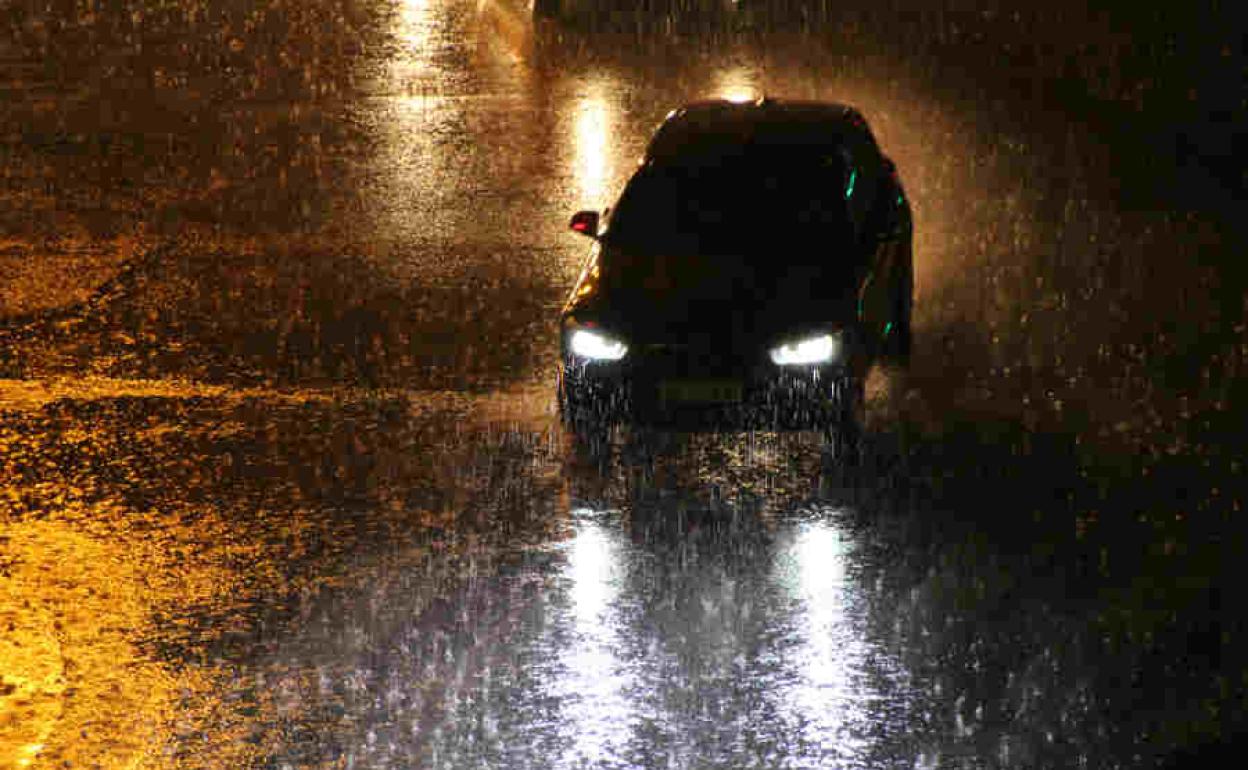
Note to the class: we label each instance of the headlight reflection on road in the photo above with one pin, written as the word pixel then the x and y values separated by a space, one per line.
pixel 829 650
pixel 592 678
pixel 590 568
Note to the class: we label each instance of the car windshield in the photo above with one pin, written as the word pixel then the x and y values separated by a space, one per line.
pixel 745 201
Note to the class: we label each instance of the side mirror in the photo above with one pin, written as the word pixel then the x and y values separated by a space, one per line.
pixel 585 223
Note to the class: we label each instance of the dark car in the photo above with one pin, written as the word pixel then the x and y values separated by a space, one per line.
pixel 754 267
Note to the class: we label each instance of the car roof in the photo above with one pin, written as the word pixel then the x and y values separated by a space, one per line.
pixel 718 120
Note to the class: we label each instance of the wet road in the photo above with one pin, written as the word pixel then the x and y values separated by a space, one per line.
pixel 281 483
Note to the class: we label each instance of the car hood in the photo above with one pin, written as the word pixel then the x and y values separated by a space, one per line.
pixel 730 302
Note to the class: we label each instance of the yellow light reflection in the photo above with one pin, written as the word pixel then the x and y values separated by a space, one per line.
pixel 30 753
pixel 411 70
pixel 414 15
pixel 80 590
pixel 507 30
pixel 75 690
pixel 40 277
pixel 592 166
pixel 424 97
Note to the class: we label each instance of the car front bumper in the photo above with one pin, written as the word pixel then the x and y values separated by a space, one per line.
pixel 667 390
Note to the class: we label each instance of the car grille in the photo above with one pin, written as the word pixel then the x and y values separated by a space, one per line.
pixel 685 360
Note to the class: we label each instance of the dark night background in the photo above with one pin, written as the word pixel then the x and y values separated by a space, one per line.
pixel 281 482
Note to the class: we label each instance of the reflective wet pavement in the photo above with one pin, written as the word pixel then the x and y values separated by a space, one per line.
pixel 281 483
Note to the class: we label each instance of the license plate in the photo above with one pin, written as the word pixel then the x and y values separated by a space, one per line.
pixel 700 391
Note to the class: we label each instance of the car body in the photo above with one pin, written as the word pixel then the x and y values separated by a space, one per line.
pixel 755 265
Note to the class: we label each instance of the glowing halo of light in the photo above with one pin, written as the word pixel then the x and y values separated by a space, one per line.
pixel 738 85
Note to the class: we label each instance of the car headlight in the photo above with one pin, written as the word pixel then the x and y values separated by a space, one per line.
pixel 818 349
pixel 596 346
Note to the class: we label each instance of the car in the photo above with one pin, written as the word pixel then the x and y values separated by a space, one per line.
pixel 756 264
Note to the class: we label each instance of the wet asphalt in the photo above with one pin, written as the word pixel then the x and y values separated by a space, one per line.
pixel 282 482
